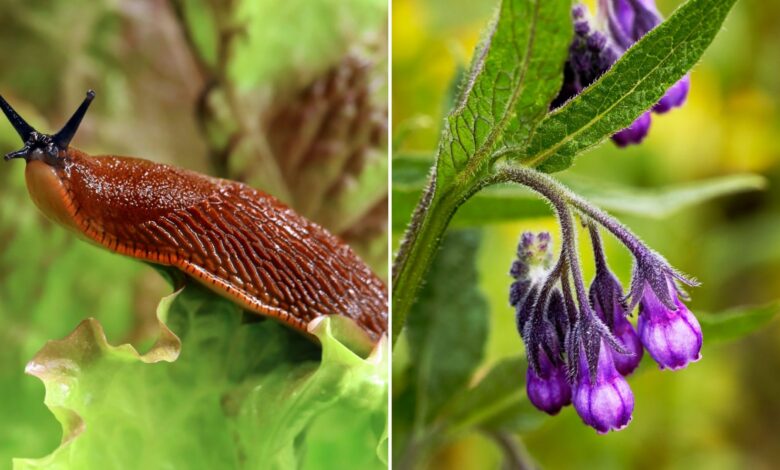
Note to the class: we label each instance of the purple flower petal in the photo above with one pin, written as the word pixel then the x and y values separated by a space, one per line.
pixel 619 17
pixel 606 297
pixel 605 403
pixel 672 338
pixel 625 333
pixel 675 96
pixel 635 133
pixel 549 391
pixel 647 17
pixel 628 20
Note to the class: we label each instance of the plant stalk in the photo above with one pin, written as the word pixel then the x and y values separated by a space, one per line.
pixel 620 231
pixel 419 247
pixel 557 195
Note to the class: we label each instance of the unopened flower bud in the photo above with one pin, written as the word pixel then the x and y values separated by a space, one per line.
pixel 673 338
pixel 635 133
pixel 604 402
pixel 675 96
pixel 548 390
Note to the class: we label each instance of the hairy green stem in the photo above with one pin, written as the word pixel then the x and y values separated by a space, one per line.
pixel 436 209
pixel 620 231
pixel 419 246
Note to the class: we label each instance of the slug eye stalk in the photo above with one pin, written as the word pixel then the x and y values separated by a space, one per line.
pixel 65 135
pixel 22 128
pixel 39 146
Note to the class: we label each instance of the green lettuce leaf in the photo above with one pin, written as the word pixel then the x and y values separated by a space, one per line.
pixel 219 389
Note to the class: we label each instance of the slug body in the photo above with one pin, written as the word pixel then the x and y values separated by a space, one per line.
pixel 240 242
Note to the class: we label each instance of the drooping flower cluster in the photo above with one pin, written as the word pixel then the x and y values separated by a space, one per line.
pixel 593 51
pixel 580 354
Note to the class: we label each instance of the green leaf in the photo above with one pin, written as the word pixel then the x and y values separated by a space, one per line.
pixel 512 202
pixel 508 74
pixel 736 323
pixel 447 329
pixel 223 392
pixel 661 202
pixel 637 81
pixel 514 75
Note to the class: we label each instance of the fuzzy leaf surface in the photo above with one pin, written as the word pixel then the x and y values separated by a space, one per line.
pixel 514 74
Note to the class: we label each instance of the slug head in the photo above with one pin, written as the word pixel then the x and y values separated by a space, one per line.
pixel 39 146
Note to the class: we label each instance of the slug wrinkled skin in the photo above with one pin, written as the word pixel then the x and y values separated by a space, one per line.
pixel 240 242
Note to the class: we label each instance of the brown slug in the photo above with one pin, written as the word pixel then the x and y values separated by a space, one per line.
pixel 241 243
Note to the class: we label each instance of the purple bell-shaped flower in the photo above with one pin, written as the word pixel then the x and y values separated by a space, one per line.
pixel 668 330
pixel 603 400
pixel 628 337
pixel 548 389
pixel 673 338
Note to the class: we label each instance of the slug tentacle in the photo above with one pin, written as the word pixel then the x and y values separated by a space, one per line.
pixel 21 153
pixel 22 128
pixel 65 135
pixel 39 146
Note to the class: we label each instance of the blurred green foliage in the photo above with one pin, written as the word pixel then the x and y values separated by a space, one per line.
pixel 450 311
pixel 721 412
pixel 153 64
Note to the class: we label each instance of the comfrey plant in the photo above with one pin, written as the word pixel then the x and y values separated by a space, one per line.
pixel 580 354
pixel 542 89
